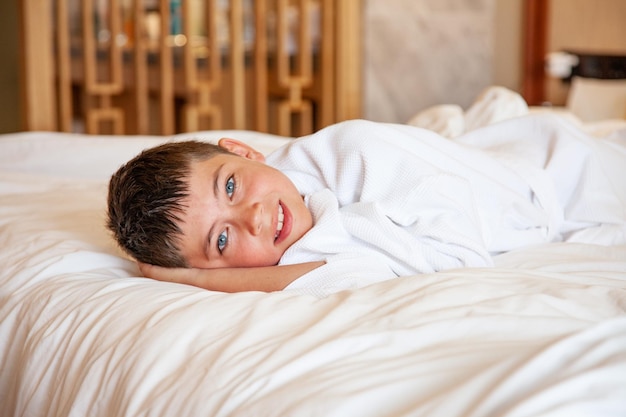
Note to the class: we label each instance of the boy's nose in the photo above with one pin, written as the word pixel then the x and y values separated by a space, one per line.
pixel 253 218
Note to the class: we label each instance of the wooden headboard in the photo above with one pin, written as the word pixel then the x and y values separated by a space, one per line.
pixel 165 66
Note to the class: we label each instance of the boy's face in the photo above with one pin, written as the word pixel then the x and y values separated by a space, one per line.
pixel 241 212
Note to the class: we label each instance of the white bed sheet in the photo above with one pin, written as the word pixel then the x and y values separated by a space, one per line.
pixel 542 333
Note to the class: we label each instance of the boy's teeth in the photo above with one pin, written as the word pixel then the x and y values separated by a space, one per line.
pixel 281 218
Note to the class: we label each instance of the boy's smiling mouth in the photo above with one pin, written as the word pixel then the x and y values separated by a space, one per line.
pixel 279 223
pixel 284 223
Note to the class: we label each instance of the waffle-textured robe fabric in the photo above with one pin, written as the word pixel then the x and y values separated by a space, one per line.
pixel 395 200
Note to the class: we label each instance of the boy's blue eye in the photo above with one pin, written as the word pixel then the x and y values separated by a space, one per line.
pixel 222 240
pixel 230 186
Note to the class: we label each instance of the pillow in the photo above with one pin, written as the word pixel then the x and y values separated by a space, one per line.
pixel 593 99
pixel 446 119
pixel 494 104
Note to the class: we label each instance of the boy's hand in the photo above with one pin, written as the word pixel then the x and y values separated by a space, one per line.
pixel 178 275
pixel 269 278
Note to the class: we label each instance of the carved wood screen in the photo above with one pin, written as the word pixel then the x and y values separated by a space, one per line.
pixel 166 66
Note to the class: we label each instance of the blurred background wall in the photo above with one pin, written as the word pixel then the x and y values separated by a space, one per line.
pixel 418 53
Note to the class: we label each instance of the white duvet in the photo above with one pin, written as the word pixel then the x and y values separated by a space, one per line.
pixel 543 333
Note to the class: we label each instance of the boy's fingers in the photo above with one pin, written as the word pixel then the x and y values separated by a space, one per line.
pixel 144 268
pixel 156 272
pixel 180 275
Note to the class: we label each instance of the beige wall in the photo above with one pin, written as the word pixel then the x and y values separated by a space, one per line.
pixel 9 67
pixel 421 53
pixel 507 56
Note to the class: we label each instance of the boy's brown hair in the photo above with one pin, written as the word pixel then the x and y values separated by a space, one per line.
pixel 146 197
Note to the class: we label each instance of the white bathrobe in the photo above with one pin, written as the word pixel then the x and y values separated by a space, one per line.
pixel 395 200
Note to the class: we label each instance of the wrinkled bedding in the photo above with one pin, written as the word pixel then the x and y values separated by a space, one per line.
pixel 543 332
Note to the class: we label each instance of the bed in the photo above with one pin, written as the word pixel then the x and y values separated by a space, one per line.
pixel 83 334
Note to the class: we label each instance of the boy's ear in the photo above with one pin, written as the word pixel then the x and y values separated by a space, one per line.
pixel 241 149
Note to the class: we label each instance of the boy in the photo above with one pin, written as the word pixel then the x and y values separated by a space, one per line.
pixel 386 201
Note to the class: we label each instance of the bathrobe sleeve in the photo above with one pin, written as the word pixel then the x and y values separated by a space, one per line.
pixel 380 210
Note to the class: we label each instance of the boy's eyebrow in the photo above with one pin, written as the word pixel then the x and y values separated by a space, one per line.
pixel 216 190
pixel 216 185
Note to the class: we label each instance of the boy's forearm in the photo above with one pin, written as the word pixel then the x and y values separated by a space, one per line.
pixel 269 278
